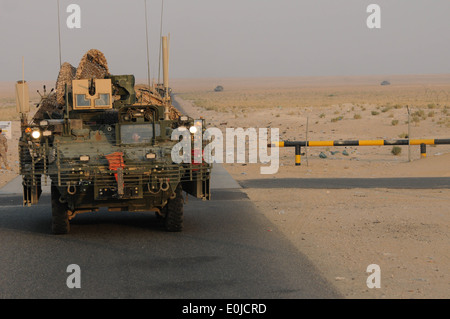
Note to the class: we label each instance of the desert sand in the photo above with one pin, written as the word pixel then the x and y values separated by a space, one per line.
pixel 342 231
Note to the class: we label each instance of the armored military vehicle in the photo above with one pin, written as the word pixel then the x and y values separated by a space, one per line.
pixel 105 142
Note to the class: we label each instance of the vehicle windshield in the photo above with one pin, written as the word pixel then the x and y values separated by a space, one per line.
pixel 140 133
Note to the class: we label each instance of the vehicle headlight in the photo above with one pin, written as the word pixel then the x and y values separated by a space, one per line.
pixel 193 129
pixel 36 134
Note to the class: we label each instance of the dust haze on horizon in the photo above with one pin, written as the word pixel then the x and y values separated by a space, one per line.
pixel 220 39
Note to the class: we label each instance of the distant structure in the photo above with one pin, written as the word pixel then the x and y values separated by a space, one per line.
pixel 218 88
pixel 385 83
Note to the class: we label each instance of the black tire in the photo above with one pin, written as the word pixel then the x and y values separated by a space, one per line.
pixel 173 220
pixel 60 218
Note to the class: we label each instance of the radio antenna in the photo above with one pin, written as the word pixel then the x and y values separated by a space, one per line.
pixel 23 79
pixel 160 40
pixel 59 36
pixel 146 37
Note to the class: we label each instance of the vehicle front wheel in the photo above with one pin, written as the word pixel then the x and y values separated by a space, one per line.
pixel 173 220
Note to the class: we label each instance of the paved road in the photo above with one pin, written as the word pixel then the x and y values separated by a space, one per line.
pixel 343 183
pixel 227 250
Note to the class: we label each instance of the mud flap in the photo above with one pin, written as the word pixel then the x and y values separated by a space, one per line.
pixel 198 189
pixel 31 194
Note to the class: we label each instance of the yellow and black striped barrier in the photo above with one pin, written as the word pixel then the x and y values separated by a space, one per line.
pixel 299 144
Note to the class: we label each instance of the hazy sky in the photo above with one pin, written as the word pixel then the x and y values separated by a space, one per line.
pixel 230 38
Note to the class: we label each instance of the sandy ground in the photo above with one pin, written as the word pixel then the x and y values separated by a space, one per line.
pixel 343 231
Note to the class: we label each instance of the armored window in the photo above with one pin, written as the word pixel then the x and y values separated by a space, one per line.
pixel 136 134
pixel 82 101
pixel 103 100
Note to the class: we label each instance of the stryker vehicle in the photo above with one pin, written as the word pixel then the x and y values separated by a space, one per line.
pixel 105 148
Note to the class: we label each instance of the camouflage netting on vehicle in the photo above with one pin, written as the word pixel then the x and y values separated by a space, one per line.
pixel 93 65
pixel 174 113
pixel 65 76
pixel 147 95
